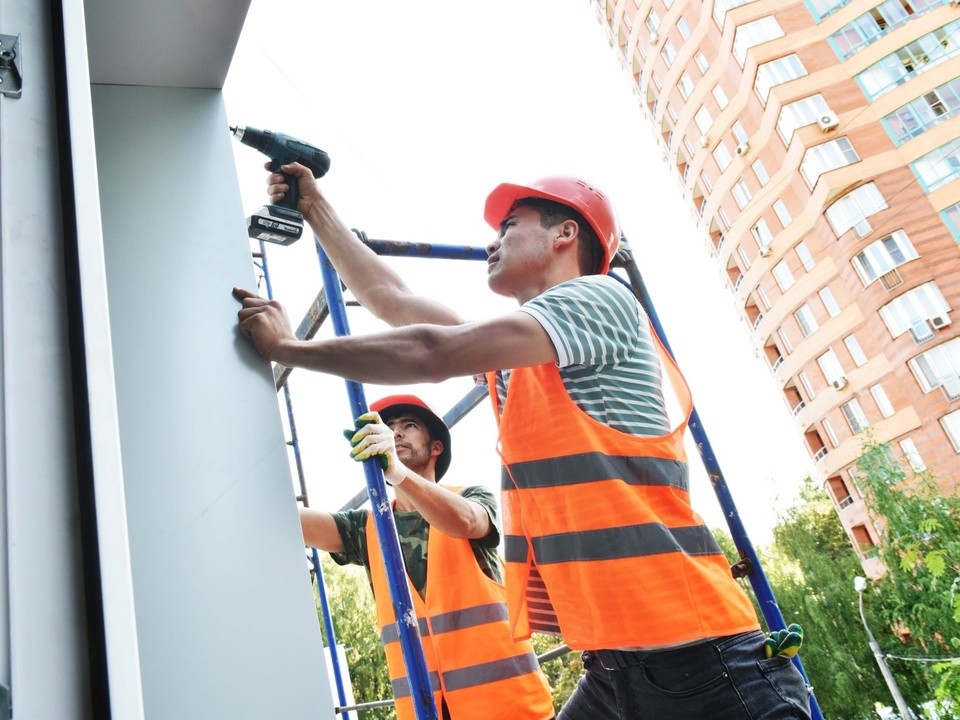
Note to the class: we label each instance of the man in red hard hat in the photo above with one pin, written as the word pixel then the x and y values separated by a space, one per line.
pixel 602 545
pixel 448 539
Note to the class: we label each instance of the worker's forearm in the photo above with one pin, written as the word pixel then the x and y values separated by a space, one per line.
pixel 445 510
pixel 405 355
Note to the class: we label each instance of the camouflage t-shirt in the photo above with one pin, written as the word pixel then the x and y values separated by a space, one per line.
pixel 413 531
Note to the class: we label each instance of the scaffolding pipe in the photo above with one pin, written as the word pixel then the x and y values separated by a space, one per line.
pixel 408 628
pixel 758 580
pixel 315 557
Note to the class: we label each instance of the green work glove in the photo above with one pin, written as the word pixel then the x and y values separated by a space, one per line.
pixel 785 642
pixel 372 438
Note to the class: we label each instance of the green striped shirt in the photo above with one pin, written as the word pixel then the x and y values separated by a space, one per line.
pixel 606 356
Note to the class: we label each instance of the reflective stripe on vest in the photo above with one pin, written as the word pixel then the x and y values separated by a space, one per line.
pixel 482 673
pixel 600 537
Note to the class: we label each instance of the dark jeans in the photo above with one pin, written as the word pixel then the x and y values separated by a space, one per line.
pixel 722 679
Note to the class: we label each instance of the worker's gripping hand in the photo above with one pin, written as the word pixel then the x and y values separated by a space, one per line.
pixel 372 438
pixel 307 188
pixel 264 321
pixel 784 642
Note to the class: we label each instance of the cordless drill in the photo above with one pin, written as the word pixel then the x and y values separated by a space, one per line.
pixel 281 223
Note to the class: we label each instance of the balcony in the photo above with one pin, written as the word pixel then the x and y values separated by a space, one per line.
pixel 820 454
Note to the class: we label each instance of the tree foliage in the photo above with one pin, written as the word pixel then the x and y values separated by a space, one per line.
pixel 919 545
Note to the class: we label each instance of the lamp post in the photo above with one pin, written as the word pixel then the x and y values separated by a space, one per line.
pixel 860 584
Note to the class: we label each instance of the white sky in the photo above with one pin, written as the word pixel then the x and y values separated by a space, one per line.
pixel 424 107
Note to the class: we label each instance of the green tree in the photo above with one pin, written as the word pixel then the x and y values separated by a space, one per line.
pixel 919 546
pixel 354 613
pixel 811 567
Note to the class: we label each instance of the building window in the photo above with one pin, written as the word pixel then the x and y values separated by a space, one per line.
pixel 777 72
pixel 722 155
pixel 683 28
pixel 805 381
pixel 853 209
pixel 914 310
pixel 937 168
pixel 653 21
pixel 703 119
pixel 883 402
pixel 741 193
pixel 831 368
pixel 805 319
pixel 939 367
pixel 739 133
pixel 884 255
pixel 720 8
pixel 829 302
pixel 855 417
pixel 831 435
pixel 668 53
pixel 762 234
pixel 909 61
pixel 762 294
pixel 826 157
pixel 754 33
pixel 701 61
pixel 707 182
pixel 724 218
pixel 951 218
pixel 928 110
pixel 910 452
pixel 800 114
pixel 783 276
pixel 785 341
pixel 856 352
pixel 780 208
pixel 672 112
pixel 806 259
pixel 685 85
pixel 951 426
pixel 761 172
pixel 871 26
pixel 863 541
pixel 720 96
pixel 821 8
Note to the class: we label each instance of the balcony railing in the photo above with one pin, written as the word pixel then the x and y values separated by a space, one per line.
pixel 820 454
pixel 798 407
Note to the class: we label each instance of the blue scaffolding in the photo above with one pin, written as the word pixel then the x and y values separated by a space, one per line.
pixel 330 303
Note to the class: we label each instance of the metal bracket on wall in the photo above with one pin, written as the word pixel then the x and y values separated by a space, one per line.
pixel 11 75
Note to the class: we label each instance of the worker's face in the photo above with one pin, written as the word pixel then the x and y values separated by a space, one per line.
pixel 412 438
pixel 516 260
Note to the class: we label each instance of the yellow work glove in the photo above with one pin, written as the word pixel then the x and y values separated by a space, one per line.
pixel 371 438
pixel 784 642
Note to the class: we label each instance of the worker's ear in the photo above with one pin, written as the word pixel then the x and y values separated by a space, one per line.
pixel 436 448
pixel 566 234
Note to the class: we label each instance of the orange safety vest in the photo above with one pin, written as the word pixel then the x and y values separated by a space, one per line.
pixel 473 660
pixel 601 542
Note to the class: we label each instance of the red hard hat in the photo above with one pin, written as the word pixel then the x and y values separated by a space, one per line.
pixel 394 405
pixel 572 192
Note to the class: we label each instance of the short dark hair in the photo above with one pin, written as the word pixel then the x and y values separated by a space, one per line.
pixel 590 252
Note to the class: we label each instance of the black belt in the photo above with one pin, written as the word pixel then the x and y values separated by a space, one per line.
pixel 618 659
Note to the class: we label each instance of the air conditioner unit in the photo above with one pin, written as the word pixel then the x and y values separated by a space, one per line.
pixel 743 148
pixel 704 141
pixel 827 122
pixel 765 251
pixel 840 383
pixel 940 321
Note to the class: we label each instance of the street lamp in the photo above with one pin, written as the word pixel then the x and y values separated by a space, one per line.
pixel 860 584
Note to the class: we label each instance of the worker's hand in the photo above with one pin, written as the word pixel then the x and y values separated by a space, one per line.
pixel 372 438
pixel 784 642
pixel 264 322
pixel 307 186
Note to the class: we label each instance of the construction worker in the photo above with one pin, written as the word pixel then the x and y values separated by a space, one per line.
pixel 601 543
pixel 449 539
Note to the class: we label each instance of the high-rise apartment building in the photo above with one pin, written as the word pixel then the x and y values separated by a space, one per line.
pixel 818 142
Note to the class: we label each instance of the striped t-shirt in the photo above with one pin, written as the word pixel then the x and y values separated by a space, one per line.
pixel 607 359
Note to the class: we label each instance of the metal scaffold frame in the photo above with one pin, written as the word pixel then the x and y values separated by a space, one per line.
pixel 330 302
